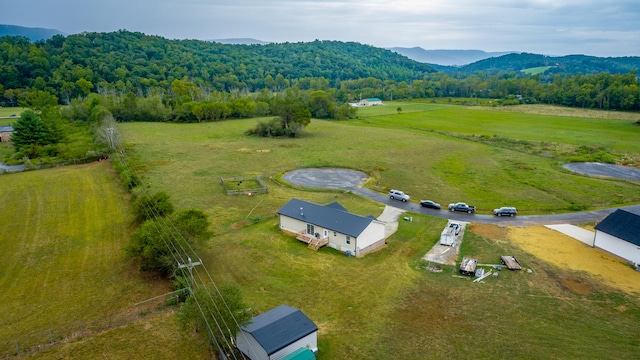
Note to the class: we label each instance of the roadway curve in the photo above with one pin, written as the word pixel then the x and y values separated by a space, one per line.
pixel 352 180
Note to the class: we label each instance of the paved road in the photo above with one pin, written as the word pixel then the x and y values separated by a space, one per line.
pixel 352 180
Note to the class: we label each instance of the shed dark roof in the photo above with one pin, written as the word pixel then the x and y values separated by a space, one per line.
pixel 333 216
pixel 6 128
pixel 623 225
pixel 280 327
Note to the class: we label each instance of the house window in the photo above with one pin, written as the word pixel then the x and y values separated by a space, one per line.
pixel 310 229
pixel 335 233
pixel 348 239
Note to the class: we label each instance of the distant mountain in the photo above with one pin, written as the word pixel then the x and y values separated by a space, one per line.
pixel 446 57
pixel 570 64
pixel 241 41
pixel 34 34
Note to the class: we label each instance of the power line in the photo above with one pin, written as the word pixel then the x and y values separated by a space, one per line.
pixel 190 265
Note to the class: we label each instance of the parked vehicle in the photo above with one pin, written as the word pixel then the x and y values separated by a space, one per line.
pixel 398 195
pixel 460 206
pixel 448 235
pixel 505 211
pixel 430 204
pixel 456 227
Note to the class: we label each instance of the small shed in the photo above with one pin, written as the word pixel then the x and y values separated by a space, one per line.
pixel 5 133
pixel 277 333
pixel 619 234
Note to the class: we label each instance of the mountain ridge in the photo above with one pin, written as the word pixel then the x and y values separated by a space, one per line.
pixel 447 57
pixel 34 34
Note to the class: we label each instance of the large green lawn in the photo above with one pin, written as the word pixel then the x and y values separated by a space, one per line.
pixel 62 262
pixel 422 163
pixel 384 305
pixel 64 229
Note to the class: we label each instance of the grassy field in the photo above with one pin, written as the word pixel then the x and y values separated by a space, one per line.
pixel 397 151
pixel 63 263
pixel 8 111
pixel 382 306
pixel 385 305
pixel 535 70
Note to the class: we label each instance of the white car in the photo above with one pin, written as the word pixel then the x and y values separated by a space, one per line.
pixel 398 195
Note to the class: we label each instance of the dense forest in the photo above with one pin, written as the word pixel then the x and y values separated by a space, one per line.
pixel 123 64
pixel 558 65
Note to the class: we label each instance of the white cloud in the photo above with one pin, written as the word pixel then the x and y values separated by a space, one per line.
pixel 603 28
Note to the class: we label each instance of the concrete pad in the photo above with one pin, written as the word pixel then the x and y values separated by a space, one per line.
pixel 390 216
pixel 575 232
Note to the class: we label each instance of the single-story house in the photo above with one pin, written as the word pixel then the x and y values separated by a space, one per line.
pixel 277 333
pixel 331 225
pixel 5 133
pixel 619 234
pixel 370 102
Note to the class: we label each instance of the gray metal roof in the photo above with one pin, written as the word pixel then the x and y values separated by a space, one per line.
pixel 280 327
pixel 333 216
pixel 623 225
pixel 6 128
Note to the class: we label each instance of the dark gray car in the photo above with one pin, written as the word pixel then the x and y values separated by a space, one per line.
pixel 505 211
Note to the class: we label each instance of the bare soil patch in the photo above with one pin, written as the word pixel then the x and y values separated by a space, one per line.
pixel 575 285
pixel 568 253
pixel 489 231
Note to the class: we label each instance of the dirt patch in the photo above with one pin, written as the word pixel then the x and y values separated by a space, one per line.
pixel 575 285
pixel 263 151
pixel 566 252
pixel 239 224
pixel 489 231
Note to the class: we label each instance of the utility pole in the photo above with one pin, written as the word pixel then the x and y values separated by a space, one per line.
pixel 190 265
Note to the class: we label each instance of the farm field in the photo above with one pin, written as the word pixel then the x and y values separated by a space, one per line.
pixel 63 263
pixel 619 133
pixel 384 305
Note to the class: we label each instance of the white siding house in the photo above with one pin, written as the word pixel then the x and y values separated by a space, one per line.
pixel 331 225
pixel 619 234
pixel 370 102
pixel 277 333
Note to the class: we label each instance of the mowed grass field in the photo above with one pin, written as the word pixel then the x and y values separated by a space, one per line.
pixel 63 264
pixel 64 229
pixel 386 305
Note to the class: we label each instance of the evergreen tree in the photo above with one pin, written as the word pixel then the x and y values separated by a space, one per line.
pixel 31 130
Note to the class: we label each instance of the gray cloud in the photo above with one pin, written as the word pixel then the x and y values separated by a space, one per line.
pixel 602 28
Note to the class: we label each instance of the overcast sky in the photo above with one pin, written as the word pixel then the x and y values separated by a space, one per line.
pixel 550 27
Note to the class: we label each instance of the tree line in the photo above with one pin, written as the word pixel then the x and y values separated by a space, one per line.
pixel 204 81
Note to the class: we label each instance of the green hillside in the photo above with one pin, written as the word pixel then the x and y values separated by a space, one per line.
pixel 566 65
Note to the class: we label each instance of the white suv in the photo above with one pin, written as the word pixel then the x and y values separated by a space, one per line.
pixel 398 195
